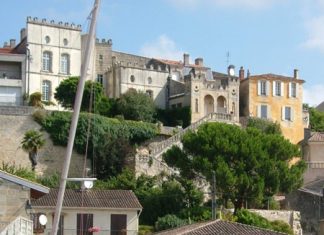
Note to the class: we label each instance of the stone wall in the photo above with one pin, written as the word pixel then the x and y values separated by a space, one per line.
pixel 12 130
pixel 290 217
pixel 12 201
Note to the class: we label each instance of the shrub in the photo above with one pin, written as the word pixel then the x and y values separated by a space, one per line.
pixel 35 99
pixel 175 117
pixel 20 171
pixel 169 221
pixel 145 230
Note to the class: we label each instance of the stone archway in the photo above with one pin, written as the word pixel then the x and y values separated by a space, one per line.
pixel 209 104
pixel 221 104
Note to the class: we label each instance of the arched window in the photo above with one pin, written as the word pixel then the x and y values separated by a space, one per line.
pixel 47 61
pixel 65 64
pixel 46 89
pixel 132 78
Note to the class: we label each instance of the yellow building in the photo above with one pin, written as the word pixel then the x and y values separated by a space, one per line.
pixel 276 98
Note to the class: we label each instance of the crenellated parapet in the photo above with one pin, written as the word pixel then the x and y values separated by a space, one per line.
pixel 60 24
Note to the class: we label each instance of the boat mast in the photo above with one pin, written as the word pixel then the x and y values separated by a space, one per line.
pixel 75 116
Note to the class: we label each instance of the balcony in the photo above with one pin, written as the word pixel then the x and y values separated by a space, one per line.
pixel 10 78
pixel 19 226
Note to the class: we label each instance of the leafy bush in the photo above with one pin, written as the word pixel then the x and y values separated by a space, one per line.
pixel 35 99
pixel 250 218
pixel 175 117
pixel 169 221
pixel 58 124
pixel 264 125
pixel 145 230
pixel 20 171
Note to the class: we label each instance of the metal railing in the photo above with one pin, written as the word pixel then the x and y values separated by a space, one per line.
pixel 20 226
pixel 315 165
pixel 101 232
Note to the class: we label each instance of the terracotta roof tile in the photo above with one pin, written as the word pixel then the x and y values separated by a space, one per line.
pixel 91 199
pixel 272 76
pixel 317 137
pixel 178 63
pixel 219 227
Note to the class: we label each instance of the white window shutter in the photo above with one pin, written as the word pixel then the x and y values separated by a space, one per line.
pixel 289 90
pixel 267 87
pixel 283 113
pixel 258 111
pixel 297 89
pixel 274 88
pixel 259 87
pixel 282 88
pixel 269 111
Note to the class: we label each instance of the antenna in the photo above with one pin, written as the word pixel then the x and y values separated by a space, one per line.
pixel 227 57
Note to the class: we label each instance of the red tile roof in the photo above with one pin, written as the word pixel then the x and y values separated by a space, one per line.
pixel 6 51
pixel 218 227
pixel 125 199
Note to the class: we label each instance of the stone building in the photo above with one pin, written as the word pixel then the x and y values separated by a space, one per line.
pixel 170 83
pixel 277 98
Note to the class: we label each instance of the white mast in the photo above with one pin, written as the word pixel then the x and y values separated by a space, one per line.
pixel 75 116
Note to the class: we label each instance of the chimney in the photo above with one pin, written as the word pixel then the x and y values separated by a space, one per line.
pixel 248 74
pixel 241 73
pixel 5 45
pixel 22 34
pixel 199 62
pixel 12 43
pixel 296 74
pixel 185 59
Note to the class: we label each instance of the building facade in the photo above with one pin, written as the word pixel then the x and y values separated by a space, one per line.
pixel 276 98
pixel 12 74
pixel 53 54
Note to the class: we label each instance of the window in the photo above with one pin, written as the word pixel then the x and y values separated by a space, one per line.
pixel 101 57
pixel 277 88
pixel 132 78
pixel 287 113
pixel 84 222
pixel 100 78
pixel 262 87
pixel 196 105
pixel 38 228
pixel 47 61
pixel 65 64
pixel 149 80
pixel 47 39
pixel 293 89
pixel 264 111
pixel 150 93
pixel 118 224
pixel 46 88
pixel 65 42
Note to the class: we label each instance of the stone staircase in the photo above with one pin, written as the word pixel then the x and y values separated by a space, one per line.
pixel 151 163
pixel 20 226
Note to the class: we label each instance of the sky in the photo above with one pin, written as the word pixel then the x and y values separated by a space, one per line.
pixel 263 36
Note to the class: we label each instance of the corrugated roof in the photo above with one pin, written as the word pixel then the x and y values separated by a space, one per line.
pixel 125 199
pixel 218 227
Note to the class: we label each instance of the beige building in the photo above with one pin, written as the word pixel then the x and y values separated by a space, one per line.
pixel 277 98
pixel 53 54
pixel 111 211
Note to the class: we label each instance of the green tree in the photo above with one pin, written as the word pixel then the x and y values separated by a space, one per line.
pixel 264 125
pixel 136 105
pixel 169 221
pixel 316 120
pixel 66 92
pixel 33 140
pixel 249 164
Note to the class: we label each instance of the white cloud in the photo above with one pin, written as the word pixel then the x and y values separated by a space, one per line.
pixel 252 4
pixel 162 47
pixel 314 95
pixel 315 39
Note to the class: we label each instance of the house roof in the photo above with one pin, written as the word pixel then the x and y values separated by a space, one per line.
pixel 314 187
pixel 316 137
pixel 320 107
pixel 21 181
pixel 177 63
pixel 117 199
pixel 218 227
pixel 271 76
